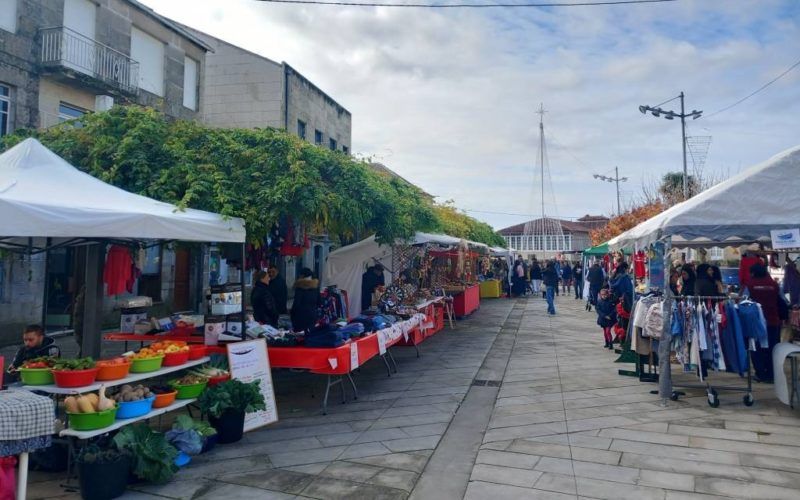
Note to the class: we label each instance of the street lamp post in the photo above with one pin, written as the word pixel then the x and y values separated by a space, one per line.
pixel 616 179
pixel 670 115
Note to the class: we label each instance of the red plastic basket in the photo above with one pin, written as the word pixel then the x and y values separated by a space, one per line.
pixel 75 378
pixel 197 351
pixel 175 358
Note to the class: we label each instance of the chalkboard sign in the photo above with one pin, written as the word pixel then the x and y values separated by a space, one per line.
pixel 248 361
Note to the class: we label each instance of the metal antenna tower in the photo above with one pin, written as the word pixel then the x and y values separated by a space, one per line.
pixel 698 147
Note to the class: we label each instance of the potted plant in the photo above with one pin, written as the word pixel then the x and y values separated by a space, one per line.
pixel 102 472
pixel 153 457
pixel 226 405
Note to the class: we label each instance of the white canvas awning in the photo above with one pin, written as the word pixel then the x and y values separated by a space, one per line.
pixel 743 208
pixel 43 196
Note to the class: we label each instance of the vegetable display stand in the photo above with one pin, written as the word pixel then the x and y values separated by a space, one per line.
pixel 92 421
pixel 229 426
pixel 175 358
pixel 112 370
pixel 189 391
pixel 146 365
pixel 36 376
pixel 102 481
pixel 164 399
pixel 133 409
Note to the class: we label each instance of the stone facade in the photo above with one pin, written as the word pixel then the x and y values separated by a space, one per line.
pixel 244 89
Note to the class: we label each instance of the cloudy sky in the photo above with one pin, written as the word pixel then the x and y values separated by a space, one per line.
pixel 448 98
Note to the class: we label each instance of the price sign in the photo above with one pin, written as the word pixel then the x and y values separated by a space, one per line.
pixel 248 361
pixel 353 356
pixel 381 343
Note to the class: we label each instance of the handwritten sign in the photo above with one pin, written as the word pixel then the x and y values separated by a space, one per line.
pixel 248 361
pixel 381 343
pixel 353 356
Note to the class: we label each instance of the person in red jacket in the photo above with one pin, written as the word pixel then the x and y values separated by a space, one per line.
pixel 765 291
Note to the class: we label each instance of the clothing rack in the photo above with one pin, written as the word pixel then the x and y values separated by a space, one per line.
pixel 711 391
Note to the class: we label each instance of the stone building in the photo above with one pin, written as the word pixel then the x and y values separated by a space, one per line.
pixel 573 237
pixel 244 89
pixel 60 59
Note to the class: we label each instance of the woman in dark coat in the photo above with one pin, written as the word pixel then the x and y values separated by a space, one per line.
pixel 264 309
pixel 306 301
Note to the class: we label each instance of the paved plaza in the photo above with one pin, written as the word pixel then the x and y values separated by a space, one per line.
pixel 511 404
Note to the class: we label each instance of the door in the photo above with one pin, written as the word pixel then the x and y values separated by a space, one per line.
pixel 78 50
pixel 180 299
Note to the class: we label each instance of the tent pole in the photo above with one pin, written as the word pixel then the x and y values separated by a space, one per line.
pixel 664 368
pixel 241 280
pixel 46 290
pixel 93 301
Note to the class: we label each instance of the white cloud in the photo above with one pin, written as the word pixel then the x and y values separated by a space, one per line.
pixel 448 98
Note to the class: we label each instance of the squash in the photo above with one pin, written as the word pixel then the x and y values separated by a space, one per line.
pixel 71 405
pixel 104 403
pixel 93 399
pixel 85 405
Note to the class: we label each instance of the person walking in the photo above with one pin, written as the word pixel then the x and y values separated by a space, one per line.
pixel 566 277
pixel 550 279
pixel 536 276
pixel 595 278
pixel 606 316
pixel 577 279
pixel 518 279
pixel 557 267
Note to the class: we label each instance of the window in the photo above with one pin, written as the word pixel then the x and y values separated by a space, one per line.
pixel 716 253
pixel 301 129
pixel 318 138
pixel 69 112
pixel 8 15
pixel 5 109
pixel 149 52
pixel 345 150
pixel 332 144
pixel 190 83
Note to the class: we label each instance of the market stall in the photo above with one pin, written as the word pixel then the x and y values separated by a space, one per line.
pixel 47 203
pixel 495 272
pixel 756 205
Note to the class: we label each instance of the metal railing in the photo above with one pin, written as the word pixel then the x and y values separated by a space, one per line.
pixel 62 46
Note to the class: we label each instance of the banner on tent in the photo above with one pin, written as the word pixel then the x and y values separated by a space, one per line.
pixel 783 239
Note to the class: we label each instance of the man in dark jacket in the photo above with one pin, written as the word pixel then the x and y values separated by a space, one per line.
pixel 277 287
pixel 595 278
pixel 306 301
pixel 550 279
pixel 370 281
pixel 264 309
pixel 35 345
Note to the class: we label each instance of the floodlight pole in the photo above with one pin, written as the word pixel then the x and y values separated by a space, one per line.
pixel 685 171
pixel 616 179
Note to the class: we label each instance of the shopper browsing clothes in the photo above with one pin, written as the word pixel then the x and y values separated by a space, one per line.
pixel 264 309
pixel 550 279
pixel 34 345
pixel 765 291
pixel 606 315
pixel 305 306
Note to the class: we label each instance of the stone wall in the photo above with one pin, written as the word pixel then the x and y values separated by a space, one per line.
pixel 318 110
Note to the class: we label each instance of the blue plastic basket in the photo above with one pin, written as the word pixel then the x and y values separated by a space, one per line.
pixel 132 409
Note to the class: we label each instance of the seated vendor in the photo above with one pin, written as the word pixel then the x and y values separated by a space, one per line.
pixel 35 345
pixel 370 281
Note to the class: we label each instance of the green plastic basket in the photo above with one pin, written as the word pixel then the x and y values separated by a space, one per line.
pixel 146 365
pixel 189 391
pixel 36 376
pixel 92 421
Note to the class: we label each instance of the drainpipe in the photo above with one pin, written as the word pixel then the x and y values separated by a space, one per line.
pixel 287 71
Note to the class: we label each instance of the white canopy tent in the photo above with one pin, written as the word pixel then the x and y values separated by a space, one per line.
pixel 345 265
pixel 43 196
pixel 741 209
pixel 744 208
pixel 45 202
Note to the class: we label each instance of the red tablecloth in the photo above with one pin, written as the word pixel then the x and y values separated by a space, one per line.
pixel 326 360
pixel 467 302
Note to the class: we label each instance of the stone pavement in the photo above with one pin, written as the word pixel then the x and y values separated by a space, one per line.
pixel 511 404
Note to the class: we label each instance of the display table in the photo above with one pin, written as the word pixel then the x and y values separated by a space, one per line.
pixel 155 337
pixel 26 424
pixel 467 302
pixel 491 289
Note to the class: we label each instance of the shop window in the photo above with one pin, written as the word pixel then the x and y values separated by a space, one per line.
pixel 301 129
pixel 150 280
pixel 318 138
pixel 8 15
pixel 332 144
pixel 190 70
pixel 5 110
pixel 68 112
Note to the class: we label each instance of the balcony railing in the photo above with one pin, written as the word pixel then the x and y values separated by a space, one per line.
pixel 63 47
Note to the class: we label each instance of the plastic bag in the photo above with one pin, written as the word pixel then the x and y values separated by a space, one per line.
pixel 8 482
pixel 188 441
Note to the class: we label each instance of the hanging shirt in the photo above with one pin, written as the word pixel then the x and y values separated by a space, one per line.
pixel 118 270
pixel 639 264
